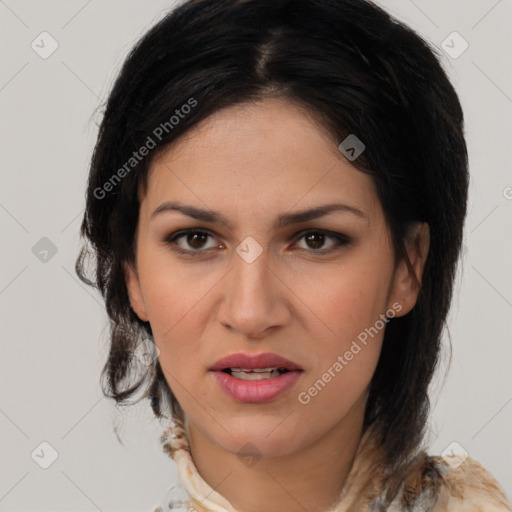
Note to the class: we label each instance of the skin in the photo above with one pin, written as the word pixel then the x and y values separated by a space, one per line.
pixel 252 163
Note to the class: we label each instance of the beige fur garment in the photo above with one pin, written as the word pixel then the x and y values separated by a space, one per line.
pixel 432 483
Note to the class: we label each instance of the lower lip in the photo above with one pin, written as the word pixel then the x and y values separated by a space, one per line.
pixel 256 391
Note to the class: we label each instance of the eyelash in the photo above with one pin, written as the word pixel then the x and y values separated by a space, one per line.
pixel 340 240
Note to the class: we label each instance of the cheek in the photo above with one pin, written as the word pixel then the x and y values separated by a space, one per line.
pixel 172 303
pixel 346 300
pixel 346 354
pixel 348 340
pixel 172 292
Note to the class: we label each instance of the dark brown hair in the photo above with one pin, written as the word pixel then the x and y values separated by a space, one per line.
pixel 358 71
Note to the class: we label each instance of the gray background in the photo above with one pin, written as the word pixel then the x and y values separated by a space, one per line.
pixel 53 335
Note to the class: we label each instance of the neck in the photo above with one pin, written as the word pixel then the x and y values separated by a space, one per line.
pixel 311 478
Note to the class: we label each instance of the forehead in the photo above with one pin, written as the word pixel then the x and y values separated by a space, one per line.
pixel 243 127
pixel 267 154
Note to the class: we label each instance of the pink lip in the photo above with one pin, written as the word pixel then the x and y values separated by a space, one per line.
pixel 255 391
pixel 248 361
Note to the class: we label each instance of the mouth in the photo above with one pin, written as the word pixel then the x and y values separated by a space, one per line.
pixel 256 385
pixel 255 373
pixel 264 365
pixel 255 378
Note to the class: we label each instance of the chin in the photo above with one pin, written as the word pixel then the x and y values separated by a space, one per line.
pixel 264 440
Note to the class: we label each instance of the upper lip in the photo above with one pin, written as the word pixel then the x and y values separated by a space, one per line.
pixel 251 361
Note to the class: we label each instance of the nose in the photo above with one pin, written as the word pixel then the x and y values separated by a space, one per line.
pixel 254 298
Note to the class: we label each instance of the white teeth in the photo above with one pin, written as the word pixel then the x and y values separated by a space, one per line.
pixel 255 374
pixel 252 369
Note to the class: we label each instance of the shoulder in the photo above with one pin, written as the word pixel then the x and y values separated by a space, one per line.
pixel 468 487
pixel 449 484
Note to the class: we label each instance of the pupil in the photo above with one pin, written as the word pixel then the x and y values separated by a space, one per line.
pixel 192 236
pixel 312 236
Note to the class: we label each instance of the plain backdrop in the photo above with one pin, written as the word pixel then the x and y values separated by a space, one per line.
pixel 53 328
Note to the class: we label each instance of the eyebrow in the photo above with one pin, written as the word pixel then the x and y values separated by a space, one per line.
pixel 282 221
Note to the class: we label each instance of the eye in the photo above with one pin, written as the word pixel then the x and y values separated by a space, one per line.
pixel 193 242
pixel 316 238
pixel 193 238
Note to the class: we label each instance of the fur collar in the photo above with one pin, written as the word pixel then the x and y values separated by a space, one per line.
pixel 431 483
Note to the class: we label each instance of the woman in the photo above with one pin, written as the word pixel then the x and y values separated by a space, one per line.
pixel 276 204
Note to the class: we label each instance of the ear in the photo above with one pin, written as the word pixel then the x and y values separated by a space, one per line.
pixel 407 279
pixel 135 292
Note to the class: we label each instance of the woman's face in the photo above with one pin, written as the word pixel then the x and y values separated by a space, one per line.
pixel 257 284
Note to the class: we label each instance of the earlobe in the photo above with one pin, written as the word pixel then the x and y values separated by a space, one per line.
pixel 135 292
pixel 408 278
